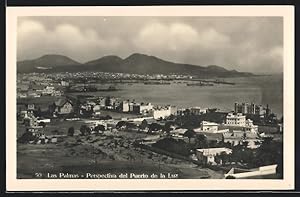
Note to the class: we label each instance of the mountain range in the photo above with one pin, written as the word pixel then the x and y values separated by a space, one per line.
pixel 134 64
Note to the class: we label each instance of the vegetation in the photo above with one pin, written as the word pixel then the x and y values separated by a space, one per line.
pixel 154 127
pixel 270 152
pixel 174 146
pixel 190 133
pixel 27 137
pixel 201 141
pixel 189 120
pixel 71 131
pixel 120 124
pixel 43 124
pixel 99 128
pixel 85 130
pixel 266 120
pixel 144 124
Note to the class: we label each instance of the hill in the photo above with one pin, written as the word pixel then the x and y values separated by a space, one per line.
pixel 46 62
pixel 135 64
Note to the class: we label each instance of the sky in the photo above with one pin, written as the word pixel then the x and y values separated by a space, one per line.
pixel 248 44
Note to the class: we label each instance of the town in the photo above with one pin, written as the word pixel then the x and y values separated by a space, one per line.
pixel 245 142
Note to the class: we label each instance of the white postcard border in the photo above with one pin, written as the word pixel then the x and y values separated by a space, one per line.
pixel 14 184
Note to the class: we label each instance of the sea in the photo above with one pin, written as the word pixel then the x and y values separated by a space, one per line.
pixel 265 90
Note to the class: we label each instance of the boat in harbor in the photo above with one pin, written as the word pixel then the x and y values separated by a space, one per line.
pixel 200 84
pixel 156 83
pixel 93 89
pixel 223 82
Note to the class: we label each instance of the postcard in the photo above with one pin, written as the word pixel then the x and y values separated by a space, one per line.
pixel 146 98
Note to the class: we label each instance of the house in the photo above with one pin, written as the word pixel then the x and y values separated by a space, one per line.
pixel 21 95
pixel 63 106
pixel 23 87
pixel 45 120
pixel 65 83
pixel 207 155
pixel 255 173
pixel 238 137
pixel 30 107
pixel 250 127
pixel 49 90
pixel 97 110
pixel 33 94
pixel 102 101
pixel 57 93
pixel 181 111
pixel 30 121
pixel 197 111
pixel 150 139
pixel 173 110
pixel 209 126
pixel 131 104
pixel 178 132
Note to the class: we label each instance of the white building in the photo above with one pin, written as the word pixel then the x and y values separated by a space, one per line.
pixel 239 120
pixel 97 109
pixel 235 119
pixel 207 155
pixel 65 83
pixel 238 137
pixel 161 112
pixel 209 126
pixel 140 108
pixel 49 90
pixel 125 106
pixel 145 108
pixel 250 127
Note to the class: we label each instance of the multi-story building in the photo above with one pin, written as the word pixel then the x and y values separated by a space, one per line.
pixel 131 104
pixel 250 108
pixel 161 112
pixel 259 110
pixel 62 106
pixel 125 106
pixel 195 110
pixel 235 119
pixel 142 108
pixel 102 101
pixel 173 110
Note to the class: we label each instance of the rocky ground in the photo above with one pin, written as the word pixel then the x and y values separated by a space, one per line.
pixel 109 153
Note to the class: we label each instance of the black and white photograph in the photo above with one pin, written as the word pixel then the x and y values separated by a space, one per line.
pixel 150 97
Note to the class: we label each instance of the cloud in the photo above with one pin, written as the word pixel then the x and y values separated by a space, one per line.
pixel 178 37
pixel 241 43
pixel 35 40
